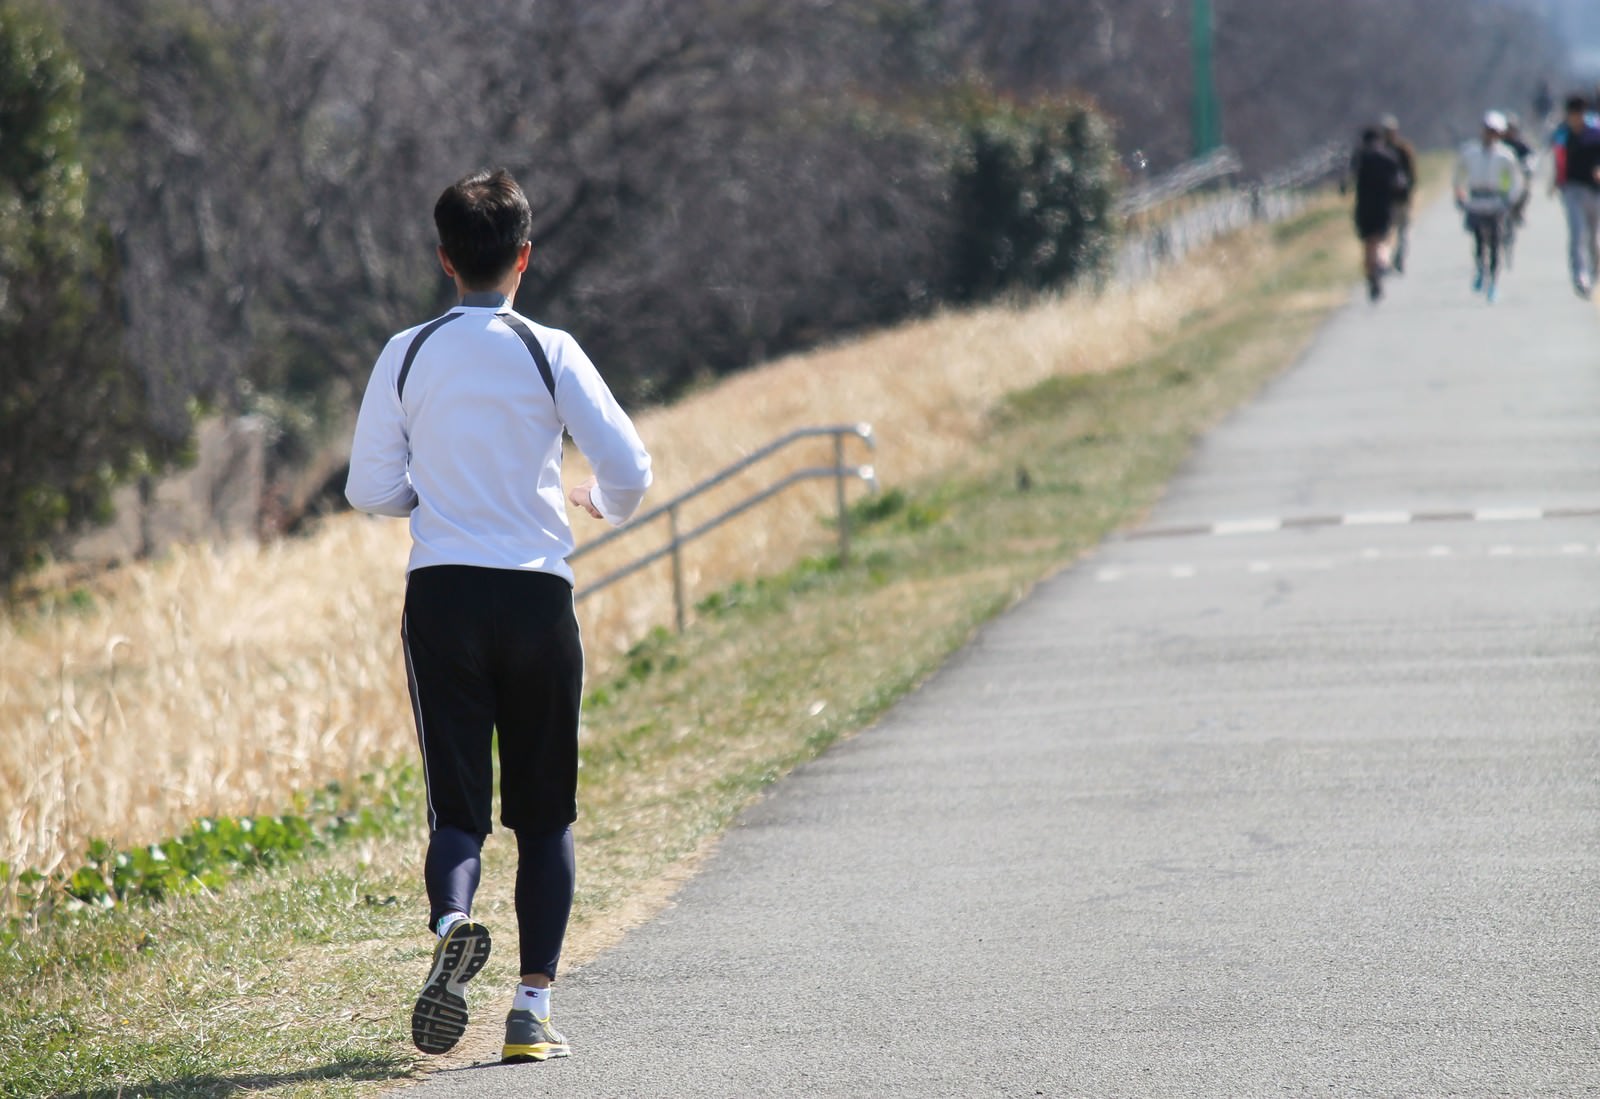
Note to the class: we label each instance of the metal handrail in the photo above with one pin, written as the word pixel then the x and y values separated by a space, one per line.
pixel 1154 240
pixel 677 539
pixel 1314 166
pixel 1215 165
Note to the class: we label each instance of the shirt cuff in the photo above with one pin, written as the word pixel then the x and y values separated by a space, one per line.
pixel 598 500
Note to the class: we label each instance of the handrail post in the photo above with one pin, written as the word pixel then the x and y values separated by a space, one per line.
pixel 677 567
pixel 838 483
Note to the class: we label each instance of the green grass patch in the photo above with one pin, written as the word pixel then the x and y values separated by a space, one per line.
pixel 210 853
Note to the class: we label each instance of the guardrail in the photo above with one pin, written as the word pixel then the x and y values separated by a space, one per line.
pixel 1315 166
pixel 1215 165
pixel 1152 241
pixel 677 539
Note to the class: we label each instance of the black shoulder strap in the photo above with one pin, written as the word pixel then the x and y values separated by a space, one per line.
pixel 532 342
pixel 416 345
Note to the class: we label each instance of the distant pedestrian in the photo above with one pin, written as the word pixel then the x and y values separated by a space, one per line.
pixel 1407 156
pixel 1378 180
pixel 1576 150
pixel 1527 161
pixel 461 431
pixel 1487 182
pixel 1544 101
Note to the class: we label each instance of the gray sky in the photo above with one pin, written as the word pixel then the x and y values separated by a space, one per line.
pixel 1579 23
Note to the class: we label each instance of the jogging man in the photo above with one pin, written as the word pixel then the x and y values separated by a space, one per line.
pixel 1379 178
pixel 1488 182
pixel 460 430
pixel 1407 158
pixel 1576 147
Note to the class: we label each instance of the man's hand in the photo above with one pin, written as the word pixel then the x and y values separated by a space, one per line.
pixel 581 495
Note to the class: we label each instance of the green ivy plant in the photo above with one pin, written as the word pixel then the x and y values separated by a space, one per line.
pixel 211 851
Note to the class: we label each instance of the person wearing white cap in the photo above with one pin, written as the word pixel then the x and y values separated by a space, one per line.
pixel 1488 181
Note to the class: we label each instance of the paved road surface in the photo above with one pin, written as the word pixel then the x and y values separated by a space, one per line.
pixel 1270 810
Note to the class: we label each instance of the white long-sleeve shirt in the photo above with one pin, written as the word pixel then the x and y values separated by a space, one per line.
pixel 1488 177
pixel 459 431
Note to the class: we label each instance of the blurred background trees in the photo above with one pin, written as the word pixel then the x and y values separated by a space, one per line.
pixel 73 413
pixel 232 212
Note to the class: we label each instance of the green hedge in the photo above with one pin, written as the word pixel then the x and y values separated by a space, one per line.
pixel 1033 190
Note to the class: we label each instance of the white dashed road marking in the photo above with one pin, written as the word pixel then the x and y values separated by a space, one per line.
pixel 1247 526
pixel 1230 527
pixel 1226 528
pixel 1189 570
pixel 1374 518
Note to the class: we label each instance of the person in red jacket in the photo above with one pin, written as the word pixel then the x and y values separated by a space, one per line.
pixel 1576 148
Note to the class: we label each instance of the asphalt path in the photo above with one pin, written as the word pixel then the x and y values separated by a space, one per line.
pixel 1294 791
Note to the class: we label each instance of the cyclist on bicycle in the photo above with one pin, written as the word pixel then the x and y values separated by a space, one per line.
pixel 1488 182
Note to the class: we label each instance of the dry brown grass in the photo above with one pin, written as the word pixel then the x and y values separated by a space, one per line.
pixel 270 985
pixel 225 679
pixel 925 388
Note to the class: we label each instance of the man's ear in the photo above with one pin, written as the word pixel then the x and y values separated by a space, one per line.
pixel 444 261
pixel 523 255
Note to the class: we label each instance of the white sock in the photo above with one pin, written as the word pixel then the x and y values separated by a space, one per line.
pixel 449 920
pixel 536 1000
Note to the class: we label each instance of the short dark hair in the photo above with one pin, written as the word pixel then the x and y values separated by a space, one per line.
pixel 1576 103
pixel 1370 135
pixel 483 222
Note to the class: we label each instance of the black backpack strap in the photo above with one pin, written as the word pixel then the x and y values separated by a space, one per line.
pixel 532 342
pixel 416 345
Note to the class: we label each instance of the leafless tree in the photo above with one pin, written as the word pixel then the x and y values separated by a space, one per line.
pixel 714 180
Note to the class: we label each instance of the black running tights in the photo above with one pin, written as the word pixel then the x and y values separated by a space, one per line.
pixel 1486 236
pixel 546 874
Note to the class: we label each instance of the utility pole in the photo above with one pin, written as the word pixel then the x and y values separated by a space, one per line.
pixel 1207 112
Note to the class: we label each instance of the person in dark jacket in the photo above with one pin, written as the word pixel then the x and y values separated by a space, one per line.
pixel 1407 157
pixel 1576 145
pixel 1379 179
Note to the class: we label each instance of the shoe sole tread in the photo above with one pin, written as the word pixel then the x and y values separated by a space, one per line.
pixel 439 1018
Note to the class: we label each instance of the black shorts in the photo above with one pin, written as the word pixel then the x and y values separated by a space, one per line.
pixel 1375 221
pixel 492 650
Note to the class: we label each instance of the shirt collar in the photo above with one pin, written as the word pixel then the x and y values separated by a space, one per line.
pixel 484 299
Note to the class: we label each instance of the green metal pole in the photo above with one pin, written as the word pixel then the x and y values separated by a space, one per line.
pixel 1207 112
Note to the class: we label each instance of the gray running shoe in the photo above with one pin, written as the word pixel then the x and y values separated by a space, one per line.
pixel 529 1038
pixel 440 1017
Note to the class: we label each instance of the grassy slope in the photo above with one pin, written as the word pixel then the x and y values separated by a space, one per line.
pixel 299 982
